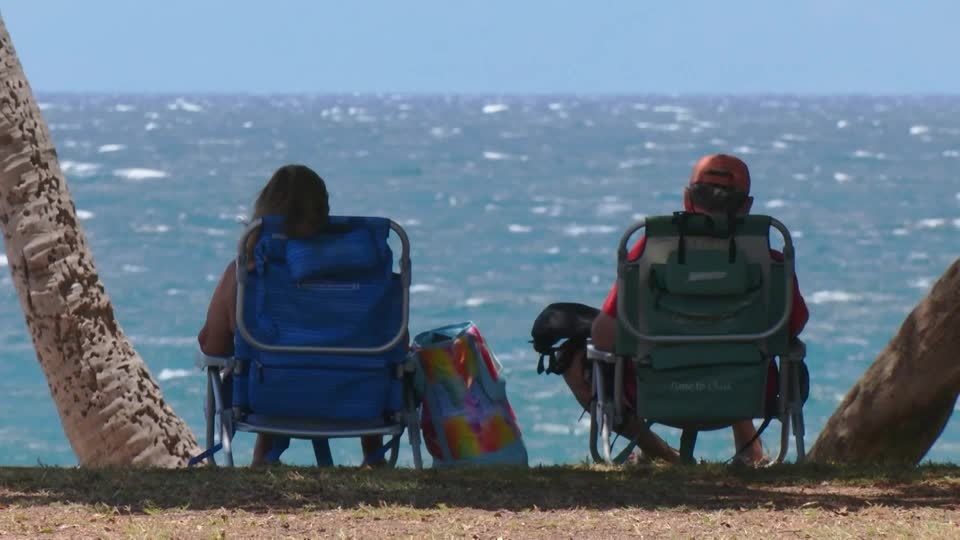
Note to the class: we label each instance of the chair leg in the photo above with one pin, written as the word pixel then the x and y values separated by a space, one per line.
pixel 594 433
pixel 688 439
pixel 394 451
pixel 210 412
pixel 226 438
pixel 413 435
pixel 225 415
pixel 798 433
pixel 601 418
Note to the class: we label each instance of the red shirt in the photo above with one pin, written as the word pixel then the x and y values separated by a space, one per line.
pixel 798 313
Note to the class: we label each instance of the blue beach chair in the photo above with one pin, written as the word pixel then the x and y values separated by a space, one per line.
pixel 321 342
pixel 702 314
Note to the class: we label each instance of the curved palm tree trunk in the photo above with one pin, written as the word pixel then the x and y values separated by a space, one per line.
pixel 110 407
pixel 900 405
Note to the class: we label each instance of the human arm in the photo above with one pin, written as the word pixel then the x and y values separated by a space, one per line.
pixel 216 336
pixel 799 314
pixel 603 332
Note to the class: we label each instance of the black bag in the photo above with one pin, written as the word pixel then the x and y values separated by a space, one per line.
pixel 562 321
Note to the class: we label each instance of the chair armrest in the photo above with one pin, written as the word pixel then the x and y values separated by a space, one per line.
pixel 594 353
pixel 797 352
pixel 204 361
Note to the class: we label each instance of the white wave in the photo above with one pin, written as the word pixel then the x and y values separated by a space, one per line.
pixel 555 106
pixel 776 203
pixel 46 106
pixel 158 229
pixel 842 177
pixel 921 283
pixel 494 108
pixel 138 174
pixel 474 301
pixel 215 232
pixel 543 209
pixel 744 150
pixel 793 137
pixel 174 292
pixel 3 260
pixel 495 156
pixel 842 124
pixel 553 250
pixel 823 297
pixel 133 269
pixel 919 130
pixel 676 109
pixel 122 107
pixel 184 105
pixel 421 288
pixel 931 223
pixel 78 169
pixel 780 145
pixel 111 148
pixel 956 222
pixel 176 341
pixel 657 127
pixel 852 340
pixel 632 163
pixel 443 132
pixel 580 230
pixel 951 153
pixel 84 214
pixel 611 208
pixel 167 374
pixel 900 231
pixel 515 228
pixel 150 126
pixel 552 429
pixel 247 125
pixel 411 222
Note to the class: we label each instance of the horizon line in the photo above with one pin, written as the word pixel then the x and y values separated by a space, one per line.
pixel 503 94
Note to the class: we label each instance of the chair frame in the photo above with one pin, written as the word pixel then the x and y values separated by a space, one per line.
pixel 606 412
pixel 225 421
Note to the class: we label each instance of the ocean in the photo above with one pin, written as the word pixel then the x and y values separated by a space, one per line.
pixel 511 203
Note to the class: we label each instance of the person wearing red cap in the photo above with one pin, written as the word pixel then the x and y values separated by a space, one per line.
pixel 719 184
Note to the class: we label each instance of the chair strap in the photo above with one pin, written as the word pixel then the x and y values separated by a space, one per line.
pixel 382 451
pixel 209 452
pixel 763 426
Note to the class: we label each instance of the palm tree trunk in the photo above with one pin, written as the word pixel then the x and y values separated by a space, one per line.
pixel 110 407
pixel 899 407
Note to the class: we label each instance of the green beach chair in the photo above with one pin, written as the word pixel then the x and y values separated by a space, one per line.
pixel 702 317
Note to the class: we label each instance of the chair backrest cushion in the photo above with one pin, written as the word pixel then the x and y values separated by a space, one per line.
pixel 337 289
pixel 696 278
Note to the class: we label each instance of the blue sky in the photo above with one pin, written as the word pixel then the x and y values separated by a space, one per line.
pixel 493 46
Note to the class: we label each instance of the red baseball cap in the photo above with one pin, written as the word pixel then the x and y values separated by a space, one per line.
pixel 722 170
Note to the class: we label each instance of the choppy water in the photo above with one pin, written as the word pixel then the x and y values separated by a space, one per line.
pixel 511 203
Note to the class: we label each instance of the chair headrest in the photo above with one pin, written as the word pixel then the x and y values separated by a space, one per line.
pixel 718 226
pixel 348 245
